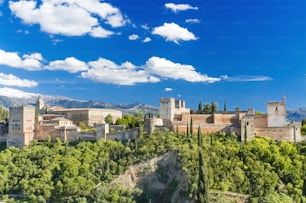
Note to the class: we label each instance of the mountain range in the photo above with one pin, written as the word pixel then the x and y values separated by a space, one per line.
pixel 13 97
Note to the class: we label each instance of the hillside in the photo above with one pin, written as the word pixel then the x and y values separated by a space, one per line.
pixel 264 170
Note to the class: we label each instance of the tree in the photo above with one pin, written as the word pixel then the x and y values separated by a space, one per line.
pixel 214 107
pixel 303 121
pixel 191 127
pixel 203 181
pixel 109 119
pixel 237 108
pixel 199 137
pixel 187 130
pixel 207 108
pixel 3 113
pixel 224 107
pixel 200 108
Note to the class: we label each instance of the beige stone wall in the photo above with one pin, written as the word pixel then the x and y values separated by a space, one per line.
pixel 261 121
pixel 225 118
pixel 276 133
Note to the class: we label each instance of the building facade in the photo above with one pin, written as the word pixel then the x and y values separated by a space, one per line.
pixel 21 126
pixel 245 124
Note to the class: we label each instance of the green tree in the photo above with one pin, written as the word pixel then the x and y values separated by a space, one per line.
pixel 3 113
pixel 224 107
pixel 214 107
pixel 207 108
pixel 109 119
pixel 191 126
pixel 203 181
pixel 199 137
pixel 200 108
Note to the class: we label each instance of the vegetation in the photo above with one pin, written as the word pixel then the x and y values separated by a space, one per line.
pixel 3 113
pixel 268 171
pixel 303 127
pixel 209 108
pixel 131 121
pixel 109 119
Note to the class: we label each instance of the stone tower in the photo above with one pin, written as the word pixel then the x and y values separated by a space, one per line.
pixel 40 104
pixel 21 126
pixel 169 107
pixel 247 129
pixel 276 114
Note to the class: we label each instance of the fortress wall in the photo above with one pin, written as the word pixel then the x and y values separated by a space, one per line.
pixel 276 133
pixel 201 118
pixel 225 119
pixel 205 128
pixel 261 121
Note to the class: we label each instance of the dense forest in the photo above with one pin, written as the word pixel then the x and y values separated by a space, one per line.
pixel 268 171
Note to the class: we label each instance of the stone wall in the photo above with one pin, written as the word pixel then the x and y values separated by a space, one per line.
pixel 276 133
pixel 261 121
pixel 225 119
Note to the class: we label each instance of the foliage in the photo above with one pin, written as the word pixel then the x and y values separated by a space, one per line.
pixel 131 121
pixel 3 113
pixel 109 119
pixel 303 130
pixel 269 171
pixel 200 108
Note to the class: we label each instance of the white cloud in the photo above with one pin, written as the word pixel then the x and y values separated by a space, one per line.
pixel 246 78
pixel 106 71
pixel 192 20
pixel 173 32
pixel 179 7
pixel 168 69
pixel 133 37
pixel 28 62
pixel 168 89
pixel 12 80
pixel 146 40
pixel 70 64
pixel 154 70
pixel 145 26
pixel 69 17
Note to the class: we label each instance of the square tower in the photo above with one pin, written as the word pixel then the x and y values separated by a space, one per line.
pixel 276 114
pixel 21 126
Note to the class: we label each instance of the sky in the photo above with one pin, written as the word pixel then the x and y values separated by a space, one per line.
pixel 242 52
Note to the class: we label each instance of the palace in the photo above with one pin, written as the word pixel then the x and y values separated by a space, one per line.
pixel 246 124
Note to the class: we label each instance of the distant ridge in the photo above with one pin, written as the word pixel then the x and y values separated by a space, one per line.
pixel 14 97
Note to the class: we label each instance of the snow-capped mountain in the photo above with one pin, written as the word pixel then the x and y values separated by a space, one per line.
pixel 13 97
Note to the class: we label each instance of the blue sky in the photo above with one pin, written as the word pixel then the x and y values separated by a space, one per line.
pixel 126 51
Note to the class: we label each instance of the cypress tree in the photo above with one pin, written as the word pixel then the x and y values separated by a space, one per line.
pixel 177 129
pixel 187 130
pixel 191 126
pixel 224 106
pixel 200 108
pixel 199 137
pixel 203 182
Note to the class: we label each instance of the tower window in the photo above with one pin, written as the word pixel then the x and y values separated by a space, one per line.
pixel 276 109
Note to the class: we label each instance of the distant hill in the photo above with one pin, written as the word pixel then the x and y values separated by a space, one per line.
pixel 13 97
pixel 296 115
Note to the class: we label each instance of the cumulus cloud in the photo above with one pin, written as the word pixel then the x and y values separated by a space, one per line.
pixel 106 71
pixel 146 40
pixel 28 62
pixel 69 17
pixel 192 20
pixel 173 32
pixel 154 70
pixel 133 37
pixel 70 64
pixel 179 7
pixel 168 89
pixel 167 69
pixel 246 78
pixel 12 80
